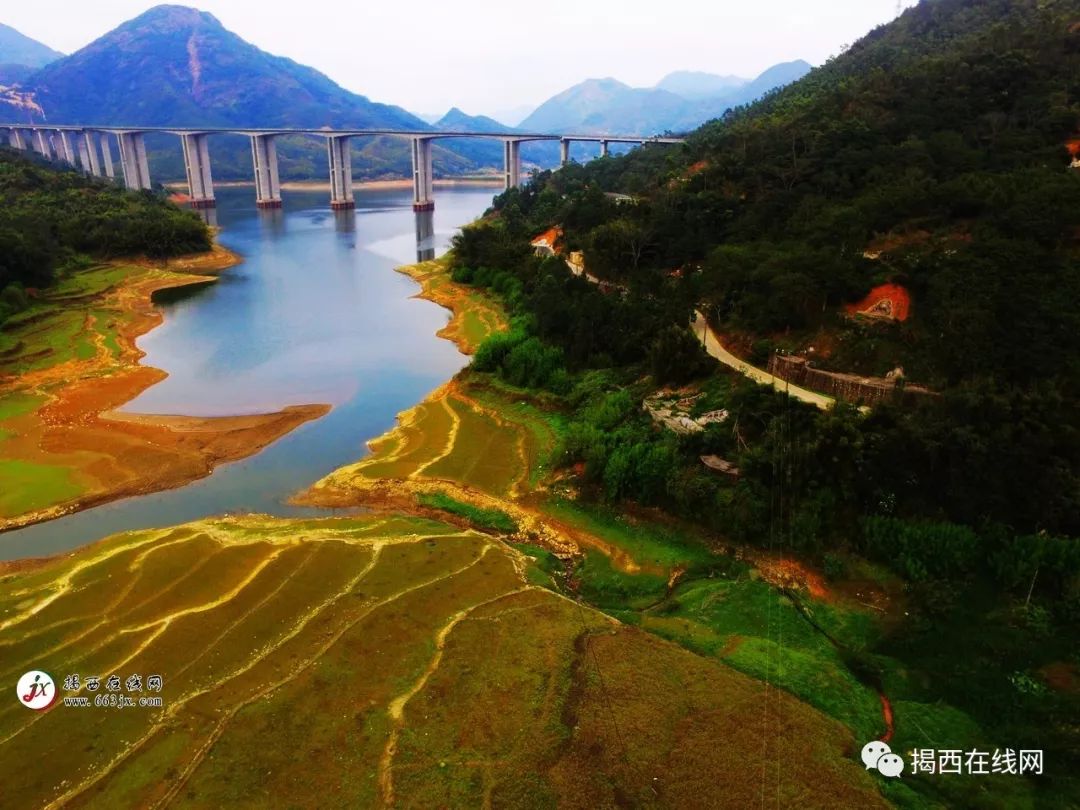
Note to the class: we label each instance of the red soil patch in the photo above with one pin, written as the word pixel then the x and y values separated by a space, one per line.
pixel 179 198
pixel 549 239
pixel 1062 677
pixel 889 301
pixel 784 572
pixel 886 713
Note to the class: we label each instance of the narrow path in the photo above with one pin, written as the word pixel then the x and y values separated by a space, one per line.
pixel 396 709
pixel 716 349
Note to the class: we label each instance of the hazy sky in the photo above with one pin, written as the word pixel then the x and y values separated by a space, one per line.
pixel 489 56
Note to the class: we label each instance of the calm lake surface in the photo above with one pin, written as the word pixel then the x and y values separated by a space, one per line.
pixel 314 314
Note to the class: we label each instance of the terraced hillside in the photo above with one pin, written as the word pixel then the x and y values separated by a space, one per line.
pixel 384 661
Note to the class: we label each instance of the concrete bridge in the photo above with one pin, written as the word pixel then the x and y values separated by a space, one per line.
pixel 79 146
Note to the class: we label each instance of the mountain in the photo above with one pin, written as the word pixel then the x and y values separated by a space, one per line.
pixel 608 105
pixel 175 65
pixel 457 121
pixel 482 152
pixel 695 85
pixel 19 49
pixel 12 73
pixel 934 161
pixel 178 65
pixel 777 76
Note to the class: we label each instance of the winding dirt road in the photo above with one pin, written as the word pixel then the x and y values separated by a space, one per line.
pixel 716 349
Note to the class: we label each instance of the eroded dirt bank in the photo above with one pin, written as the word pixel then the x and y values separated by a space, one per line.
pixel 67 366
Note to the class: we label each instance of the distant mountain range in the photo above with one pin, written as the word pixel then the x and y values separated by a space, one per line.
pixel 681 101
pixel 20 55
pixel 694 85
pixel 19 49
pixel 177 66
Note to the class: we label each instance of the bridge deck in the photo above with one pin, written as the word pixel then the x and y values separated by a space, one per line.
pixel 327 132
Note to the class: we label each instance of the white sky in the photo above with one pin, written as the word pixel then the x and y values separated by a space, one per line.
pixel 488 56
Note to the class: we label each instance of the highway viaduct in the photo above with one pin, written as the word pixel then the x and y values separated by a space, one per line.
pixel 79 146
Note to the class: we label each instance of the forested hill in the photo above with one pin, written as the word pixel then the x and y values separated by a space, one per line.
pixel 53 220
pixel 933 155
pixel 936 145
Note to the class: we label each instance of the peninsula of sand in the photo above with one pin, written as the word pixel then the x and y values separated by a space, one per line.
pixel 69 362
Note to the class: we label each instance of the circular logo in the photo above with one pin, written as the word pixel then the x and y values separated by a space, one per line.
pixel 36 690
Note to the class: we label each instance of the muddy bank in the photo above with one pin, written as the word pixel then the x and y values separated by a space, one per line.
pixel 474 315
pixel 64 445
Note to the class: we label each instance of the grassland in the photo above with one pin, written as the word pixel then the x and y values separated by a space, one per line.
pixel 479 638
pixel 388 661
pixel 69 361
pixel 480 454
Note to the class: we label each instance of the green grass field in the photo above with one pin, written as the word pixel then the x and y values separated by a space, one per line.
pixel 26 486
pixel 53 329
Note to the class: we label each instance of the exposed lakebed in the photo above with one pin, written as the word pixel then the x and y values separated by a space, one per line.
pixel 314 314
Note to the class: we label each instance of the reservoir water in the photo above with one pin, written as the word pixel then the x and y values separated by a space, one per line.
pixel 314 314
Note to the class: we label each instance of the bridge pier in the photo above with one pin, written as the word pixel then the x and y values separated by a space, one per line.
pixel 197 166
pixel 133 160
pixel 341 193
pixel 89 153
pixel 512 163
pixel 267 182
pixel 81 146
pixel 603 149
pixel 15 139
pixel 423 178
pixel 564 151
pixel 106 155
pixel 65 149
pixel 41 144
pixel 425 234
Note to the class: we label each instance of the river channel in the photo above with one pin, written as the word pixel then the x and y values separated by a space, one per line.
pixel 314 314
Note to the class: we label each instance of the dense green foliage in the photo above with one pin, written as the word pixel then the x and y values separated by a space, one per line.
pixel 494 519
pixel 50 218
pixel 931 154
pixel 937 142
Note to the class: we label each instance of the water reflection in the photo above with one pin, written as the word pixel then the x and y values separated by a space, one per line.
pixel 345 221
pixel 272 221
pixel 425 235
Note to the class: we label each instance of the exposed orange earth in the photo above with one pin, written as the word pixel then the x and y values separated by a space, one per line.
pixel 74 433
pixel 885 301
